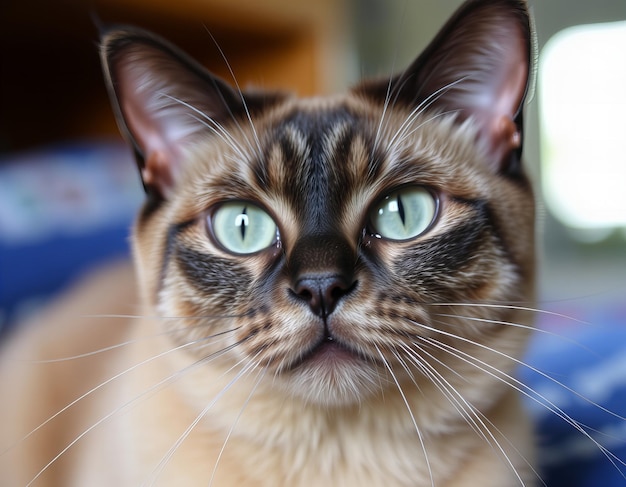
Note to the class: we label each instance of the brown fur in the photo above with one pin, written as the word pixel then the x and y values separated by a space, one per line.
pixel 212 379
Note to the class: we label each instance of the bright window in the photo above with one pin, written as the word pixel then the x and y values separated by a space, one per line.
pixel 582 104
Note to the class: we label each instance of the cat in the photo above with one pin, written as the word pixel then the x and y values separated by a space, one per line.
pixel 329 289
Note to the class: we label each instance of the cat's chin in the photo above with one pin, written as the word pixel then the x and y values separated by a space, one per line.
pixel 332 375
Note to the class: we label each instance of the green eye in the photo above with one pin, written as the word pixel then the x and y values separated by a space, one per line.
pixel 243 228
pixel 404 214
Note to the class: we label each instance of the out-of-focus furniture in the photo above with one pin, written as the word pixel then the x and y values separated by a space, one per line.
pixel 52 88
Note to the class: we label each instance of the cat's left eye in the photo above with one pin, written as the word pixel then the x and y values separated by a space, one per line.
pixel 243 228
pixel 404 214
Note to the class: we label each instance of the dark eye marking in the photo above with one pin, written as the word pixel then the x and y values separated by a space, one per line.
pixel 212 275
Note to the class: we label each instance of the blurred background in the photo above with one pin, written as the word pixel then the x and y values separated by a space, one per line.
pixel 69 188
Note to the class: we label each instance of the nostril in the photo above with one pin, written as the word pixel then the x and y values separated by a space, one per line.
pixel 309 290
pixel 305 294
pixel 337 292
pixel 322 293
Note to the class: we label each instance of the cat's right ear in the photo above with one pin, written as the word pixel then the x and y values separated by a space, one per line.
pixel 479 67
pixel 162 100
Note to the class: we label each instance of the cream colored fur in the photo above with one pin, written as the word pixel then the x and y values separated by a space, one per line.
pixel 275 441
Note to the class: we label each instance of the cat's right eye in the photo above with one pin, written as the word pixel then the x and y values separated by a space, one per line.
pixel 243 228
pixel 404 214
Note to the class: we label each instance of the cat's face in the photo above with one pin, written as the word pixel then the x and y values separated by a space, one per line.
pixel 343 245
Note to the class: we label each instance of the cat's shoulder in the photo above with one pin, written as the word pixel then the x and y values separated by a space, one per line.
pixel 91 309
pixel 56 356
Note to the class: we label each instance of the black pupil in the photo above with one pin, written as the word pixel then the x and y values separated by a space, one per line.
pixel 400 209
pixel 243 223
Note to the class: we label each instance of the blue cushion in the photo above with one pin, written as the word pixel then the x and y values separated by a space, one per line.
pixel 62 210
pixel 588 357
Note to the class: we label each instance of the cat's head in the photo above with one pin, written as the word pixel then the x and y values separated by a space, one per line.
pixel 338 242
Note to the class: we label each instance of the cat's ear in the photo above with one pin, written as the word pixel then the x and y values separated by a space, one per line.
pixel 163 100
pixel 478 66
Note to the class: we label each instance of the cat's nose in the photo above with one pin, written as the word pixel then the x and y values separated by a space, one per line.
pixel 322 271
pixel 322 292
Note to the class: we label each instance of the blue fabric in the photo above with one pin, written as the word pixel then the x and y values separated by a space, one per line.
pixel 62 210
pixel 588 357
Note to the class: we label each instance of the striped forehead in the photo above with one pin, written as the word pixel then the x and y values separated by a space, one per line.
pixel 311 161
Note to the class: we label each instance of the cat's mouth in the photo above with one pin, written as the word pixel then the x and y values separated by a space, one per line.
pixel 327 352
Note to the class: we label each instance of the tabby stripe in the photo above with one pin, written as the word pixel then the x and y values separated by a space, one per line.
pixel 488 215
pixel 211 275
pixel 170 242
pixel 448 252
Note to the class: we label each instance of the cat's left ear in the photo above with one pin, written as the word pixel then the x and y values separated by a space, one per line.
pixel 164 100
pixel 479 66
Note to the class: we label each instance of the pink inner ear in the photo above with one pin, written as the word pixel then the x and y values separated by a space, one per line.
pixel 158 172
pixel 495 103
pixel 160 149
pixel 151 123
pixel 496 119
pixel 155 92
pixel 478 68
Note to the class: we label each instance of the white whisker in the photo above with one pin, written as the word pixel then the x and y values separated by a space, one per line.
pixel 466 410
pixel 243 100
pixel 406 134
pixel 471 415
pixel 518 385
pixel 96 388
pixel 421 108
pixel 533 395
pixel 121 408
pixel 213 125
pixel 525 365
pixel 129 342
pixel 389 85
pixel 170 453
pixel 534 329
pixel 515 307
pixel 230 431
pixel 408 407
